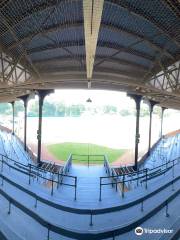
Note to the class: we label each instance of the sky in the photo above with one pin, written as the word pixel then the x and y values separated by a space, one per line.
pixel 98 97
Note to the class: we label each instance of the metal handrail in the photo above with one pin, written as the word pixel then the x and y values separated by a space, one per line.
pixel 89 212
pixel 36 174
pixel 116 178
pixel 108 168
pixel 67 164
pixel 57 229
pixel 88 160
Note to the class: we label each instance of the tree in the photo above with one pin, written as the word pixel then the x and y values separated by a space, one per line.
pixel 109 109
pixel 33 109
pixel 125 112
pixel 49 109
pixel 18 107
pixel 60 109
pixel 5 109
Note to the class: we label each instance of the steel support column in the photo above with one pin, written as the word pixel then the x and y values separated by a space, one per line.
pixel 137 99
pixel 25 99
pixel 13 115
pixel 151 106
pixel 42 94
pixel 162 118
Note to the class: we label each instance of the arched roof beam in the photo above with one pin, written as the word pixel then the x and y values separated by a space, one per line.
pixel 141 15
pixel 46 31
pixel 134 76
pixel 24 53
pixel 3 3
pixel 172 6
pixel 38 9
pixel 100 44
pixel 113 60
pixel 138 36
pixel 58 27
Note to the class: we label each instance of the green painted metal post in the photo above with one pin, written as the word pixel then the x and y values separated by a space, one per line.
pixel 137 99
pixel 25 99
pixel 151 106
pixel 13 116
pixel 42 94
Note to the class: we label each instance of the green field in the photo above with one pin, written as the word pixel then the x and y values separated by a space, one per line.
pixel 63 150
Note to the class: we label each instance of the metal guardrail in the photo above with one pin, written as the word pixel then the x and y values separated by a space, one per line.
pixel 68 232
pixel 89 158
pixel 67 164
pixel 35 172
pixel 144 175
pixel 90 212
pixel 107 166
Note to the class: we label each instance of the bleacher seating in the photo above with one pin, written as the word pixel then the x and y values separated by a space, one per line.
pixel 39 201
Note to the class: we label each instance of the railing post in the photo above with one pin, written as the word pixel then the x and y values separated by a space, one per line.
pixel 146 177
pixel 37 174
pixel 173 185
pixel 137 177
pixel 48 235
pixel 2 180
pixel 58 181
pixel 91 217
pixel 142 206
pixel 116 184
pixel 9 209
pixel 167 214
pixel 173 169
pixel 114 235
pixel 123 186
pixel 52 186
pixel 100 190
pixel 112 179
pixel 29 174
pixel 61 181
pixel 2 164
pixel 35 205
pixel 75 192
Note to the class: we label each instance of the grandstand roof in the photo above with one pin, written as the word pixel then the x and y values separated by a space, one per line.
pixel 129 45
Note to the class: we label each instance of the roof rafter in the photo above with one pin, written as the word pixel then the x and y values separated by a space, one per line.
pixel 140 37
pixel 45 31
pixel 100 44
pixel 172 6
pixel 126 74
pixel 60 26
pixel 16 39
pixel 114 60
pixel 38 9
pixel 140 14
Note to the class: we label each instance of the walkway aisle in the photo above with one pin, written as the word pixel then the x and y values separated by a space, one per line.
pixel 88 187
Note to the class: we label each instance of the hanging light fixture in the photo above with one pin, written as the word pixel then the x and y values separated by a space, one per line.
pixel 89 86
pixel 89 100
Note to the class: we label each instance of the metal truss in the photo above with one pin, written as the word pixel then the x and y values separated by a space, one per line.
pixel 168 79
pixel 11 72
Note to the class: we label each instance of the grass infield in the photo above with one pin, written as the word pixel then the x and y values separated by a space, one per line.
pixel 62 150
